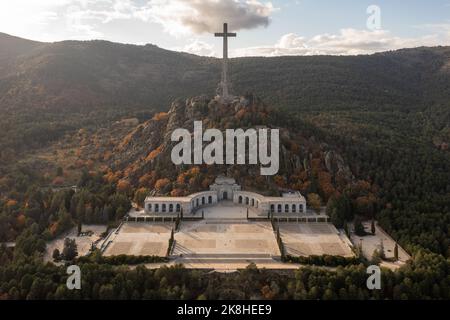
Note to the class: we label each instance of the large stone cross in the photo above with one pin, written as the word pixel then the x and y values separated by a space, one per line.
pixel 224 84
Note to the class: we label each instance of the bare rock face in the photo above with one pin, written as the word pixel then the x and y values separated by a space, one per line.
pixel 148 147
pixel 176 118
pixel 196 108
pixel 336 165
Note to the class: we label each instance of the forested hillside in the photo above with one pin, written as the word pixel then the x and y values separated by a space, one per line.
pixel 367 136
pixel 81 83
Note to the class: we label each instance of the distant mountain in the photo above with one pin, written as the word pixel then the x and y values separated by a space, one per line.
pixel 11 46
pixel 85 83
pixel 77 74
pixel 82 74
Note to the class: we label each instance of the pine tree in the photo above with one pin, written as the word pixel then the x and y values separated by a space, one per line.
pixel 56 254
pixel 396 252
pixel 359 227
pixel 382 249
pixel 70 250
pixel 347 232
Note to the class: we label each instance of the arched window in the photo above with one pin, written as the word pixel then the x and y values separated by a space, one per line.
pixel 272 208
pixel 203 200
pixel 253 202
pixel 197 203
pixel 300 208
pixel 246 200
pixel 170 207
pixel 240 199
pixel 178 207
pixel 149 207
pixel 294 208
pixel 209 199
pixel 279 208
pixel 164 207
pixel 156 207
pixel 286 208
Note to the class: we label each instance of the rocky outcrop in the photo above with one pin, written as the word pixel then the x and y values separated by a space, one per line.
pixel 148 146
pixel 336 166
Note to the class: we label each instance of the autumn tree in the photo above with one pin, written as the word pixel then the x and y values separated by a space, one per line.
pixel 124 186
pixel 161 184
pixel 314 202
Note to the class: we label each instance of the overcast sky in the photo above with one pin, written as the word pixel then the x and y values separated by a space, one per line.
pixel 278 27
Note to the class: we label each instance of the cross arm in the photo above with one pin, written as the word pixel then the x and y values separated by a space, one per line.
pixel 225 34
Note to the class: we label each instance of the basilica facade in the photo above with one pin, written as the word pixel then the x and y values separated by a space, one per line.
pixel 226 189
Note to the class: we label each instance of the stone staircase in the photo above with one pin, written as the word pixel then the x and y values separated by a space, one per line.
pixel 219 258
pixel 225 221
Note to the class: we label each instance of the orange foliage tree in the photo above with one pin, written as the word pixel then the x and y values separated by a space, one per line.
pixel 161 183
pixel 153 154
pixel 124 186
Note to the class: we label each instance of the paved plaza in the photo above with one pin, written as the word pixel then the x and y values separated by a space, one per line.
pixel 84 242
pixel 226 210
pixel 305 239
pixel 225 239
pixel 215 239
pixel 370 243
pixel 138 238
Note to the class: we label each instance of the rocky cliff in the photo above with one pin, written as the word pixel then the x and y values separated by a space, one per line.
pixel 305 163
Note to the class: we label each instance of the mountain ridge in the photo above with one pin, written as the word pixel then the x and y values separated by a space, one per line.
pixel 67 85
pixel 104 72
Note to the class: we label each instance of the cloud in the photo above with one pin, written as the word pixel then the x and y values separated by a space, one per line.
pixel 52 20
pixel 436 28
pixel 84 18
pixel 207 16
pixel 198 47
pixel 346 42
